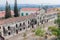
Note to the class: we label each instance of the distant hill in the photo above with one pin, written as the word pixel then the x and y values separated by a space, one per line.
pixel 20 6
pixel 27 6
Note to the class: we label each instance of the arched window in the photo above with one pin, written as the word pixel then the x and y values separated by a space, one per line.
pixel 0 27
pixel 20 29
pixel 28 22
pixel 20 24
pixel 4 31
pixel 22 14
pixel 26 14
pixel 34 21
pixel 16 25
pixel 23 23
pixel 9 28
pixel 0 33
pixel 28 26
pixel 23 27
pixel 16 31
pixel 9 33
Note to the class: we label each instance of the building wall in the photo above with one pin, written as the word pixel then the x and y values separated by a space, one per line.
pixel 51 17
pixel 1 30
pixel 42 15
pixel 13 28
pixel 42 11
pixel 24 12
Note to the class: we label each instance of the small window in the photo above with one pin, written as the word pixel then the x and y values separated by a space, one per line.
pixel 20 29
pixel 28 26
pixel 9 33
pixel 23 27
pixel 0 27
pixel 16 25
pixel 20 24
pixel 16 31
pixel 0 33
pixel 28 22
pixel 26 14
pixel 22 14
pixel 9 28
pixel 24 23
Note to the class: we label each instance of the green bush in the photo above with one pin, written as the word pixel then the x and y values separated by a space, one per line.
pixel 52 28
pixel 39 32
pixel 55 31
pixel 24 35
pixel 33 30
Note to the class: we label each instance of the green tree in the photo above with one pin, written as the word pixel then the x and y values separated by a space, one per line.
pixel 7 11
pixel 57 21
pixel 16 9
pixel 58 15
pixel 51 28
pixel 55 31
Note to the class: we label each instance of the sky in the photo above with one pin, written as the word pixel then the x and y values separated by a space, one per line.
pixel 38 2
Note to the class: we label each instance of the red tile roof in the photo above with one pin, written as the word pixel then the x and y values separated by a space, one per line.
pixel 30 9
pixel 16 19
pixel 50 10
pixel 2 13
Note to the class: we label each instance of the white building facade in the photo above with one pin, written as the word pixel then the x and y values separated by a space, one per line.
pixel 13 26
pixel 28 11
pixel 28 18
